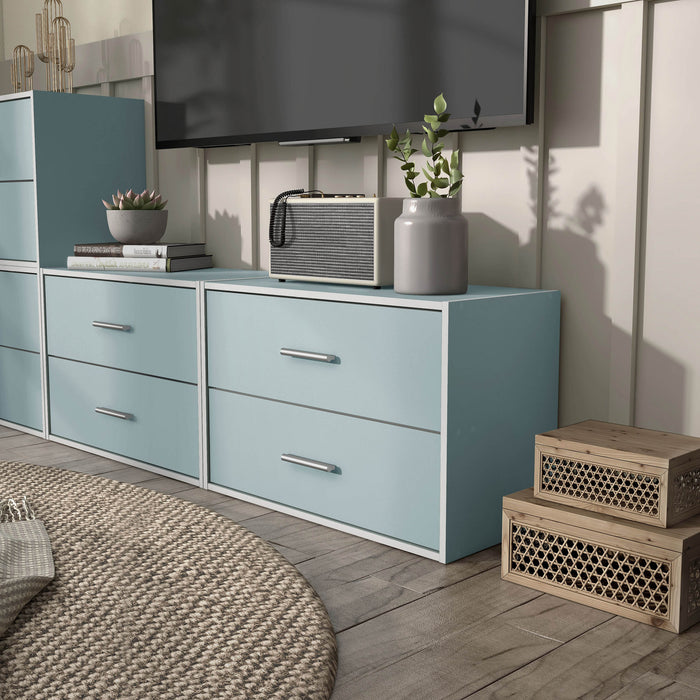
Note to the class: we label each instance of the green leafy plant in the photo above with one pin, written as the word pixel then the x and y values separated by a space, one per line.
pixel 444 179
pixel 132 200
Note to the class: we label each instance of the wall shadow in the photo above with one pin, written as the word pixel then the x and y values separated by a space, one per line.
pixel 226 233
pixel 573 264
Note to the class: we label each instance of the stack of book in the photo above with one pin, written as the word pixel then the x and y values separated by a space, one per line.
pixel 159 257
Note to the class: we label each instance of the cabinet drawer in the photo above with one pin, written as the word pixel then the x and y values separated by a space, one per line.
pixel 387 362
pixel 159 325
pixel 387 477
pixel 18 239
pixel 16 147
pixel 161 426
pixel 19 310
pixel 20 387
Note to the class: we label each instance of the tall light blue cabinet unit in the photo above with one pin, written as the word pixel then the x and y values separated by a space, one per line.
pixel 399 418
pixel 60 154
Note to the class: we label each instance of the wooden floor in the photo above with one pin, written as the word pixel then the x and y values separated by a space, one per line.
pixel 409 628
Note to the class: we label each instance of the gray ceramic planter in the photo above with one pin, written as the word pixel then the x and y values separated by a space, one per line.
pixel 137 226
pixel 430 247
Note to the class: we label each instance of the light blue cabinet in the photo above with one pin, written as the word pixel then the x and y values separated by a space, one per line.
pixel 145 418
pixel 18 207
pixel 370 459
pixel 20 387
pixel 124 364
pixel 381 368
pixel 60 154
pixel 16 139
pixel 403 419
pixel 138 327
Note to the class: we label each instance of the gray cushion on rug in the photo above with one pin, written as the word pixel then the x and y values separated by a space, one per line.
pixel 26 563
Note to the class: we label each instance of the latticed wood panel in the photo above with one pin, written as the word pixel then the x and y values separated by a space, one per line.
pixel 686 492
pixel 585 482
pixel 622 577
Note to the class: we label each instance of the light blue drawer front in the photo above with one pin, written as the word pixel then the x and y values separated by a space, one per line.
pixel 161 325
pixel 387 366
pixel 387 479
pixel 18 215
pixel 20 387
pixel 16 136
pixel 163 425
pixel 19 311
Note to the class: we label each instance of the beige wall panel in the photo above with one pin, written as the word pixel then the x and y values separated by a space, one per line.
pixel 340 168
pixel 499 199
pixel 178 177
pixel 579 208
pixel 668 370
pixel 229 225
pixel 280 168
pixel 91 20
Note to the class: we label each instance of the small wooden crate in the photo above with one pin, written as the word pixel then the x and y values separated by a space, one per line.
pixel 642 475
pixel 629 569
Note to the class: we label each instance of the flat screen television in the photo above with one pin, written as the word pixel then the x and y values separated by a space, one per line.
pixel 240 71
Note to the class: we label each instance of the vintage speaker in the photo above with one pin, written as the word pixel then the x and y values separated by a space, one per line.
pixel 347 240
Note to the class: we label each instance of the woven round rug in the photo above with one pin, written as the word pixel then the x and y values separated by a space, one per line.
pixel 154 598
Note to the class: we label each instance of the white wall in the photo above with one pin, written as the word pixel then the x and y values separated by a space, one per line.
pixel 91 20
pixel 595 199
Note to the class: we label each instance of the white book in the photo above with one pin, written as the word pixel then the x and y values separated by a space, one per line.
pixel 163 250
pixel 90 262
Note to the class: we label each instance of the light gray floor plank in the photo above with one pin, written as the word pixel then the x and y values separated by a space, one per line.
pixel 201 497
pixel 423 575
pixel 238 510
pixel 405 631
pixel 297 534
pixel 596 664
pixel 164 484
pixel 363 558
pixel 652 685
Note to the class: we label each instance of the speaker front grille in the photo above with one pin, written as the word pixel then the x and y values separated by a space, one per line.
pixel 327 240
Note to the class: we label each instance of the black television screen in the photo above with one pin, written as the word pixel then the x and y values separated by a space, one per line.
pixel 239 71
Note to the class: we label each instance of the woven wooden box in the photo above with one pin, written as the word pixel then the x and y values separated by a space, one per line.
pixel 642 475
pixel 629 569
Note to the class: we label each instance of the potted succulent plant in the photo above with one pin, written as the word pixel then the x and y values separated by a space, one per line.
pixel 430 236
pixel 136 219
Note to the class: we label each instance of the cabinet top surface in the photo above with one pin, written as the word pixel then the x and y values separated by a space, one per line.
pixel 144 276
pixel 361 294
pixel 59 96
pixel 624 442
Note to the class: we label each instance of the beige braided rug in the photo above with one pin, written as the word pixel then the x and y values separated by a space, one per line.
pixel 157 598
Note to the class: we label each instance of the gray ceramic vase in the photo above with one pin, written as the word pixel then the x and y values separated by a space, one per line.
pixel 430 247
pixel 137 226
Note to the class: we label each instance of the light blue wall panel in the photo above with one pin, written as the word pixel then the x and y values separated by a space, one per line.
pixel 388 477
pixel 20 388
pixel 163 429
pixel 161 340
pixel 388 365
pixel 16 153
pixel 17 220
pixel 87 147
pixel 19 311
pixel 503 369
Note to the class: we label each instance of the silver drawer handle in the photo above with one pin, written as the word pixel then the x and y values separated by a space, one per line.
pixel 113 413
pixel 113 326
pixel 306 355
pixel 303 462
